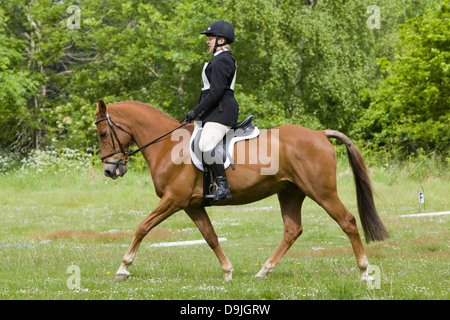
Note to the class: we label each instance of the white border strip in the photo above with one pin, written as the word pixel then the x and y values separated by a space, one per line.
pixel 443 213
pixel 181 243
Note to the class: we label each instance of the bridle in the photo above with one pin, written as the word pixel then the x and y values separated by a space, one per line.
pixel 122 150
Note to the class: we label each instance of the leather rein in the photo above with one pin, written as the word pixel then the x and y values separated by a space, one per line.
pixel 122 150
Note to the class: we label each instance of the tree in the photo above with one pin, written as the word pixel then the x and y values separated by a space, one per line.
pixel 311 63
pixel 45 45
pixel 409 111
pixel 16 86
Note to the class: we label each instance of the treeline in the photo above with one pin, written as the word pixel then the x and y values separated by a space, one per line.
pixel 376 70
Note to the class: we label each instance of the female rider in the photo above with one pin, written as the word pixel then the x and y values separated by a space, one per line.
pixel 218 109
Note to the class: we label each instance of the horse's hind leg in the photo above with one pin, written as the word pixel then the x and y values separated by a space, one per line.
pixel 336 209
pixel 291 200
pixel 201 220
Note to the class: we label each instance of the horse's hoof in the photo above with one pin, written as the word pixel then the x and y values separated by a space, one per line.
pixel 228 276
pixel 367 278
pixel 259 277
pixel 121 277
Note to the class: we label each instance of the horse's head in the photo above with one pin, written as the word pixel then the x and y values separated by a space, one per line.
pixel 114 142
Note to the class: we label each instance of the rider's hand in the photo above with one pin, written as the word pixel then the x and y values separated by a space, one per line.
pixel 190 116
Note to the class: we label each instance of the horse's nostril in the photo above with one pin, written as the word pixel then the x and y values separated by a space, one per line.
pixel 108 173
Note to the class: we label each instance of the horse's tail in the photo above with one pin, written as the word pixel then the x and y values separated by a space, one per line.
pixel 374 229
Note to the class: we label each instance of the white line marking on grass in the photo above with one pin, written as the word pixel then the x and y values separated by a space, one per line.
pixel 429 214
pixel 182 243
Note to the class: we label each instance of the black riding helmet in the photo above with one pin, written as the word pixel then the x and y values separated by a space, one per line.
pixel 220 29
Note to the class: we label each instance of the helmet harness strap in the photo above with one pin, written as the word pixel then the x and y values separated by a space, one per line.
pixel 217 44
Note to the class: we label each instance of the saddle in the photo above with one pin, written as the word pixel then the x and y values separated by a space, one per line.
pixel 244 131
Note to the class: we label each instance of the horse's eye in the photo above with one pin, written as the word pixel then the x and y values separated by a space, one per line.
pixel 103 134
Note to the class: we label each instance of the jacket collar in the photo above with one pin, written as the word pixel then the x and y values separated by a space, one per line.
pixel 219 52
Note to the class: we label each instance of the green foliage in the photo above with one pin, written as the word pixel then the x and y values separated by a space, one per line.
pixel 409 111
pixel 312 63
pixel 15 88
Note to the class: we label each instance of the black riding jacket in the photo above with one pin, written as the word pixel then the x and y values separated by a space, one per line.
pixel 217 102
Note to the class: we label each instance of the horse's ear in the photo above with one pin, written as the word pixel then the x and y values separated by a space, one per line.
pixel 101 109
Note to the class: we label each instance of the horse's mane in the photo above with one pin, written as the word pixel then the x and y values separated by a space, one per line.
pixel 145 105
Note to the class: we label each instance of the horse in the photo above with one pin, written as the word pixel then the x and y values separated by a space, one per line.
pixel 305 167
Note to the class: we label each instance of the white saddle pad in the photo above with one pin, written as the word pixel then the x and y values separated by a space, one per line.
pixel 231 138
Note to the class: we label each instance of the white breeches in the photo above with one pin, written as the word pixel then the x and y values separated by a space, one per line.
pixel 212 134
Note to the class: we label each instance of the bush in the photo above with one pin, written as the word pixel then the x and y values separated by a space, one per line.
pixel 409 111
pixel 58 161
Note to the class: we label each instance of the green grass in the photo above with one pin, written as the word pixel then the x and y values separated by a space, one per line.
pixel 49 222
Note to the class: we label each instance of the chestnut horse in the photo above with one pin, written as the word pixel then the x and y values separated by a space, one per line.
pixel 306 166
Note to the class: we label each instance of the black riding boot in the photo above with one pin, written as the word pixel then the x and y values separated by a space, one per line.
pixel 223 188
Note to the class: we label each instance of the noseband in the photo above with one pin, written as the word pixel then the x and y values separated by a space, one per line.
pixel 114 137
pixel 122 150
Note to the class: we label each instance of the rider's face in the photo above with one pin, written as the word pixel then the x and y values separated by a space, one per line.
pixel 211 42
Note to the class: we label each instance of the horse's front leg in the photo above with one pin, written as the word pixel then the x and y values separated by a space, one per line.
pixel 162 211
pixel 203 223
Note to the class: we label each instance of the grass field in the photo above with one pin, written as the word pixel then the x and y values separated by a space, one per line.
pixel 50 222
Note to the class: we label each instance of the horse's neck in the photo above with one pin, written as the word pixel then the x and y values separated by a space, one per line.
pixel 148 124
